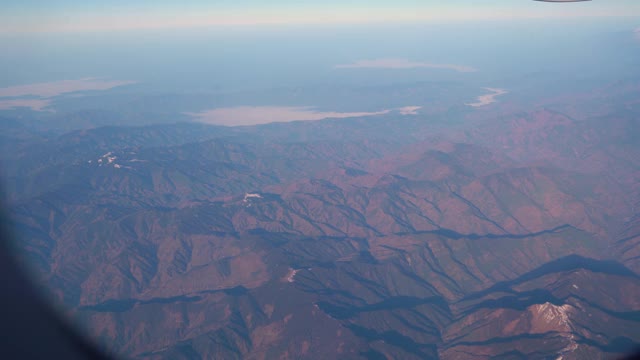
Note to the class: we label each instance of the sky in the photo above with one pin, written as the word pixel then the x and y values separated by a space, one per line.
pixel 48 16
pixel 191 45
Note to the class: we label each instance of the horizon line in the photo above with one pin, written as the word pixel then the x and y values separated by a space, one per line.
pixel 134 22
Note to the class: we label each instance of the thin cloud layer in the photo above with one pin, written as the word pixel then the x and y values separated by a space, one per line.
pixel 487 99
pixel 34 104
pixel 636 33
pixel 51 89
pixel 403 64
pixel 46 91
pixel 409 110
pixel 256 115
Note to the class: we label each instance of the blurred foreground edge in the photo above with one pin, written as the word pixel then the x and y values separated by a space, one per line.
pixel 30 328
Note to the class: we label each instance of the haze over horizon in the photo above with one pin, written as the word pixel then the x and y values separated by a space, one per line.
pixel 70 16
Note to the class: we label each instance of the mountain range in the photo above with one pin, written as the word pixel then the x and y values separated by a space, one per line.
pixel 502 232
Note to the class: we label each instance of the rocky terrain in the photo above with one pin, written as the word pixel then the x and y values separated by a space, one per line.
pixel 501 232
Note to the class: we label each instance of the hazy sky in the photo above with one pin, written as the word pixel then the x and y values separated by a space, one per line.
pixel 69 15
pixel 402 40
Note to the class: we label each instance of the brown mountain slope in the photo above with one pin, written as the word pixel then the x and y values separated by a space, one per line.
pixel 513 238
